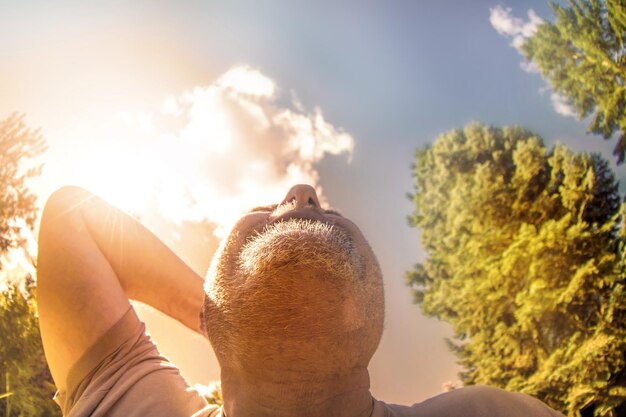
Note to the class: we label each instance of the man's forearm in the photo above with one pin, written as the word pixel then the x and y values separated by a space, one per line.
pixel 148 270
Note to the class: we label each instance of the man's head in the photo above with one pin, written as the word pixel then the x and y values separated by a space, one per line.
pixel 294 287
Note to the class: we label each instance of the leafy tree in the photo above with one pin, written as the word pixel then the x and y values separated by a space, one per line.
pixel 526 261
pixel 582 55
pixel 25 373
pixel 26 386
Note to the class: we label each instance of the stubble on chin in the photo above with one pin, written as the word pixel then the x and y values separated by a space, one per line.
pixel 304 245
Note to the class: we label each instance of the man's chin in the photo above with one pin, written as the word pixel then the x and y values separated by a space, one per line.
pixel 302 244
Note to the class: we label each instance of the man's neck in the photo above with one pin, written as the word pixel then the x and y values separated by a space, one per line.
pixel 298 395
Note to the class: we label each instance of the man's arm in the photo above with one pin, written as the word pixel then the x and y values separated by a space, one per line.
pixel 92 259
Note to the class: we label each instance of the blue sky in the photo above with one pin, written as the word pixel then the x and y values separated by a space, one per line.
pixel 392 74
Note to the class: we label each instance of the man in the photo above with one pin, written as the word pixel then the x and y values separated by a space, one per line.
pixel 292 304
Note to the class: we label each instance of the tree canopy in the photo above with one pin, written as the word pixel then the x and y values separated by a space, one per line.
pixel 583 57
pixel 525 253
pixel 26 386
pixel 25 375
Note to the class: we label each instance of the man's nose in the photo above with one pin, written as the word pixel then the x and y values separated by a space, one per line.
pixel 303 195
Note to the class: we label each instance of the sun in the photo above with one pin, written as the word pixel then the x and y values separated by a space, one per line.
pixel 123 177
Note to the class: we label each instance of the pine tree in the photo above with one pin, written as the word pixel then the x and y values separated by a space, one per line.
pixel 583 57
pixel 526 261
pixel 26 386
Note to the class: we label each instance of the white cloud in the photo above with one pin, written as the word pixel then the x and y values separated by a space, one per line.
pixel 560 105
pixel 209 153
pixel 529 66
pixel 519 30
pixel 245 80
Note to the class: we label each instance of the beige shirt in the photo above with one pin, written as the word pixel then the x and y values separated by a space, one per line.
pixel 475 401
pixel 124 375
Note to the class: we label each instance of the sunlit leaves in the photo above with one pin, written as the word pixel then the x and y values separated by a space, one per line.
pixel 23 368
pixel 582 55
pixel 525 260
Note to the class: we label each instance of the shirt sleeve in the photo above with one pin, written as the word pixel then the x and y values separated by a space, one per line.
pixel 123 374
pixel 473 401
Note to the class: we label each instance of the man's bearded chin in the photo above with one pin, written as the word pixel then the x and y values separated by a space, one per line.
pixel 295 283
pixel 302 246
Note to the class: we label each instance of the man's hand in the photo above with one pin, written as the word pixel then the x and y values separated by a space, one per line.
pixel 93 258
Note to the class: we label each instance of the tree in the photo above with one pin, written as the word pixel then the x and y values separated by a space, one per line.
pixel 25 372
pixel 18 145
pixel 526 261
pixel 26 386
pixel 583 57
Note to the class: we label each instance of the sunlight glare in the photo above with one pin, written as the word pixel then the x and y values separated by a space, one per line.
pixel 232 147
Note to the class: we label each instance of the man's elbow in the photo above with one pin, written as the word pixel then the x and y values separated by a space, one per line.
pixel 61 205
pixel 61 216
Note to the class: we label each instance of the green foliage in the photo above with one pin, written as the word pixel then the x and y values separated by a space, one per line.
pixel 23 369
pixel 583 57
pixel 526 261
pixel 26 386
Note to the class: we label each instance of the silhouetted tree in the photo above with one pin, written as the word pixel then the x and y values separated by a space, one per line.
pixel 26 387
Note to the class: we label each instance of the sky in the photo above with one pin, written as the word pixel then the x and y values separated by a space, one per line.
pixel 187 113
